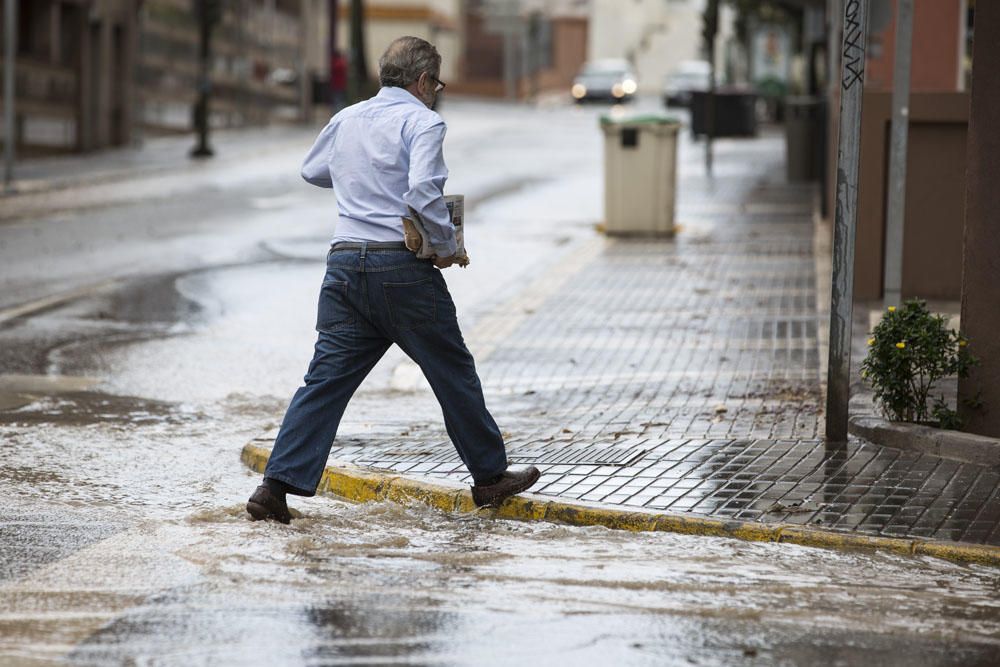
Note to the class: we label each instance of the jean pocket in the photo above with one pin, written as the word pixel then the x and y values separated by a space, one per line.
pixel 334 310
pixel 411 304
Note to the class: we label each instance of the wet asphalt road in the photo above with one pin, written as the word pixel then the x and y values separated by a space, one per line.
pixel 188 324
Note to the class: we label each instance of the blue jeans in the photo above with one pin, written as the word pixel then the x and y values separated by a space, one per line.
pixel 372 297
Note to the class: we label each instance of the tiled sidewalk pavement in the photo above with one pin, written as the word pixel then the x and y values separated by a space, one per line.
pixel 684 376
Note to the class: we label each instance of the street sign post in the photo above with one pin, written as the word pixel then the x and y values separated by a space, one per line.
pixel 897 154
pixel 852 77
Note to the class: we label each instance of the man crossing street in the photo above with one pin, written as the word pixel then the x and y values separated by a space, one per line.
pixel 382 157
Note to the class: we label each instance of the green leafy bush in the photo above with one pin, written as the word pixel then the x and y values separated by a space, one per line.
pixel 908 352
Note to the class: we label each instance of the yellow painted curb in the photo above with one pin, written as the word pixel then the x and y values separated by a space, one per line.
pixel 365 485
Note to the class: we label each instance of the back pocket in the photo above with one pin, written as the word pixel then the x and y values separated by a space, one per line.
pixel 411 304
pixel 334 310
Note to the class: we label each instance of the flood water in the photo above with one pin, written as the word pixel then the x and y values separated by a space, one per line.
pixel 158 564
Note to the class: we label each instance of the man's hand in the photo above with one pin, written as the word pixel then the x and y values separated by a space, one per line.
pixel 445 262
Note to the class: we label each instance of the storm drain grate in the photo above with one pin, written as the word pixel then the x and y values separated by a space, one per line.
pixel 603 454
pixel 536 454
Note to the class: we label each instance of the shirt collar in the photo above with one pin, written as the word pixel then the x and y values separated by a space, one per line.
pixel 397 94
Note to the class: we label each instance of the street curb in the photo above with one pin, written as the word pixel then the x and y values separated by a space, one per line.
pixel 956 445
pixel 368 485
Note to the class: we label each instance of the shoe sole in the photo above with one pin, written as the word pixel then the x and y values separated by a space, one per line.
pixel 258 512
pixel 520 488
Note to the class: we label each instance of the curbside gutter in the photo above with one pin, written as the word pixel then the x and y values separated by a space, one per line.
pixel 956 445
pixel 366 485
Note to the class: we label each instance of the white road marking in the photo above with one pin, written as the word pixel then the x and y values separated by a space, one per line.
pixel 54 300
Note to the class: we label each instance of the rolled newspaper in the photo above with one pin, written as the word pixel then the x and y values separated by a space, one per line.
pixel 415 230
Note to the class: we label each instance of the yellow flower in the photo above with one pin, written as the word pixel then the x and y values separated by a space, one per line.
pixel 963 343
pixel 901 345
pixel 871 341
pixel 892 309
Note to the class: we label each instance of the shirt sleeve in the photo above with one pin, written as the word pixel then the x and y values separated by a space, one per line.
pixel 427 177
pixel 316 166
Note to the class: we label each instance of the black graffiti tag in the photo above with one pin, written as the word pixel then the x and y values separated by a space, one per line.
pixel 853 53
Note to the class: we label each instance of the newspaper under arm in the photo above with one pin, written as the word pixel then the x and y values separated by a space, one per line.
pixel 415 231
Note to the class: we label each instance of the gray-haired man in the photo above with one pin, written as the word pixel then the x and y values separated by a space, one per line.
pixel 382 156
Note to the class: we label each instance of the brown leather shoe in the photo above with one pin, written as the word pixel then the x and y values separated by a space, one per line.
pixel 511 482
pixel 265 505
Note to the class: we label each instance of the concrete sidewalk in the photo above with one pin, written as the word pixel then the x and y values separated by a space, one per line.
pixel 684 377
pixel 155 154
pixel 160 168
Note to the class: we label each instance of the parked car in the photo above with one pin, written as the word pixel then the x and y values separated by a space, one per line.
pixel 611 80
pixel 690 76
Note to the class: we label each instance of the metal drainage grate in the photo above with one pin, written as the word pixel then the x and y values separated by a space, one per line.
pixel 606 454
pixel 550 453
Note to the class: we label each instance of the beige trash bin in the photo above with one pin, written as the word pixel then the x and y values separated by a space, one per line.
pixel 640 175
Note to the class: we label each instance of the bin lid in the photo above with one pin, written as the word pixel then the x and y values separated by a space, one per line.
pixel 639 119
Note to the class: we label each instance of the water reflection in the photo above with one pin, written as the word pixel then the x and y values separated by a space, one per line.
pixel 371 628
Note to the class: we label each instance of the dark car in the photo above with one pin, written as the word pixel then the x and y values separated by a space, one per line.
pixel 611 80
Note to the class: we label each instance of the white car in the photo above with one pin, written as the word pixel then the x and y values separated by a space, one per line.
pixel 690 76
pixel 611 80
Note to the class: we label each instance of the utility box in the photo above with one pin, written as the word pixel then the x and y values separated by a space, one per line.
pixel 734 112
pixel 803 137
pixel 640 175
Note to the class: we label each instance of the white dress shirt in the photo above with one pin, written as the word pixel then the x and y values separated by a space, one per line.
pixel 380 156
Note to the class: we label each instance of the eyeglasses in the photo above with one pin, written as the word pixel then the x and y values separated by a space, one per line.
pixel 439 82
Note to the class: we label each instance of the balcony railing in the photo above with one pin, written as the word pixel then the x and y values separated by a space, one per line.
pixel 43 83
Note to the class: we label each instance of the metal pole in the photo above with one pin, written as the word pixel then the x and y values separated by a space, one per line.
pixel 358 81
pixel 895 215
pixel 138 80
pixel 710 118
pixel 333 10
pixel 202 108
pixel 845 221
pixel 510 14
pixel 9 67
pixel 333 7
pixel 711 29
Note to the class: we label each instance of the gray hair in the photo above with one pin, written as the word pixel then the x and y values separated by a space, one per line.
pixel 405 60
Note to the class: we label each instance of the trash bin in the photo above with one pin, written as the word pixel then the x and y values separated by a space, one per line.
pixel 802 138
pixel 640 175
pixel 735 112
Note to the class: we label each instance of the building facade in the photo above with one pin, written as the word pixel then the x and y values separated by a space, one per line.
pixel 520 48
pixel 72 87
pixel 94 74
pixel 256 68
pixel 512 48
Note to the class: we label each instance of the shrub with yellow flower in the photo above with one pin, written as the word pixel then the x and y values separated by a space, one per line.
pixel 909 351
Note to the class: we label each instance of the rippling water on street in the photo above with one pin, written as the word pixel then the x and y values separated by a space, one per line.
pixel 180 576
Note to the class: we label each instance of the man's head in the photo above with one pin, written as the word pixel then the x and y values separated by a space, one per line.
pixel 413 64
